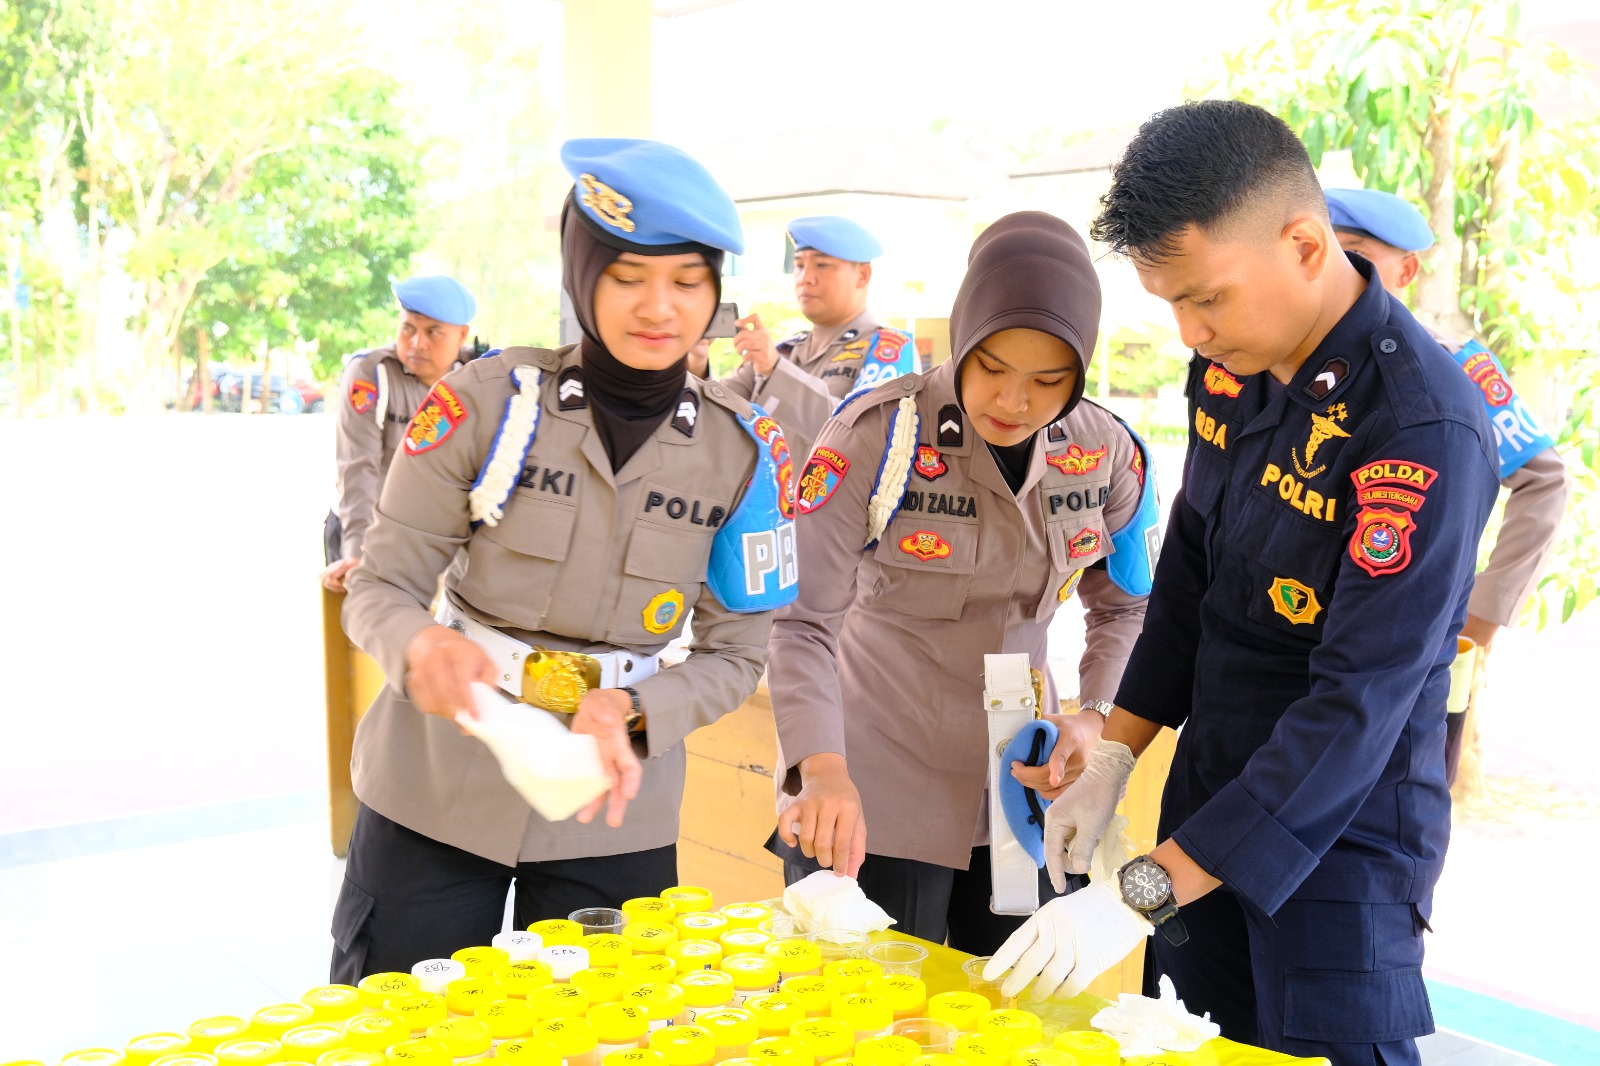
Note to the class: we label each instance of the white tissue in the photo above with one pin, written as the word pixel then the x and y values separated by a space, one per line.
pixel 557 772
pixel 1113 851
pixel 834 902
pixel 1144 1026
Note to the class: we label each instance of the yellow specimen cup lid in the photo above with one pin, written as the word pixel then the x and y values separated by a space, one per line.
pixel 420 1052
pixel 850 975
pixel 795 956
pixel 701 925
pixel 633 1056
pixel 93 1056
pixel 828 1038
pixel 349 1056
pixel 982 1049
pixel 463 1037
pixel 556 931
pixel 207 1033
pixel 650 908
pixel 964 1010
pixel 147 1047
pixel 187 1058
pixel 481 961
pixel 269 1023
pixel 313 1039
pixel 683 1045
pixel 378 1031
pixel 744 941
pixel 688 899
pixel 651 967
pixel 375 988
pixel 814 993
pixel 1043 1056
pixel 465 995
pixel 508 1019
pixel 775 1012
pixel 603 983
pixel 607 949
pixel 662 1000
pixel 521 978
pixel 887 1050
pixel 936 1058
pixel 706 988
pixel 1089 1047
pixel 745 915
pixel 648 937
pixel 249 1051
pixel 787 1050
pixel 695 954
pixel 618 1023
pixel 559 1001
pixel 570 1036
pixel 862 1012
pixel 418 1010
pixel 728 1026
pixel 750 971
pixel 332 1003
pixel 904 992
pixel 1018 1028
pixel 528 1051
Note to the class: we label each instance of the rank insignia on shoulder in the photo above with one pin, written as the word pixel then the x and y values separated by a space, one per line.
pixel 788 344
pixel 1087 542
pixel 662 611
pixel 850 335
pixel 1327 379
pixel 1296 602
pixel 441 412
pixel 1221 383
pixel 951 431
pixel 687 414
pixel 925 545
pixel 1075 460
pixel 824 471
pixel 1056 433
pixel 363 394
pixel 569 390
pixel 929 464
pixel 1381 543
pixel 1069 586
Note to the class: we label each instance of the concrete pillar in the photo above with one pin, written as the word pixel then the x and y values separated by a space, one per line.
pixel 606 52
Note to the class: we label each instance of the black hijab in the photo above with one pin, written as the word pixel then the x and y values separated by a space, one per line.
pixel 627 405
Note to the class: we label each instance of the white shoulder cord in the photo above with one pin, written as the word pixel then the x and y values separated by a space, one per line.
pixel 895 472
pixel 381 408
pixel 518 426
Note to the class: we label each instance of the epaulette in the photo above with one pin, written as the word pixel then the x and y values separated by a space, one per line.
pixel 788 344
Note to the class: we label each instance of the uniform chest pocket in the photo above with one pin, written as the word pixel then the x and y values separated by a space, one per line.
pixel 512 567
pixel 1293 560
pixel 1204 480
pixel 662 575
pixel 926 566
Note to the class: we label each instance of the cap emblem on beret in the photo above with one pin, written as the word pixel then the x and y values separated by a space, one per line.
pixel 606 202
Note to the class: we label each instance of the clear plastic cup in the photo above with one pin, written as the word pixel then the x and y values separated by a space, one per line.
pixel 599 920
pixel 898 956
pixel 989 990
pixel 930 1034
pixel 841 944
pixel 785 927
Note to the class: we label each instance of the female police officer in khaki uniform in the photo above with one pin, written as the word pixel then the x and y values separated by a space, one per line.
pixel 985 493
pixel 585 500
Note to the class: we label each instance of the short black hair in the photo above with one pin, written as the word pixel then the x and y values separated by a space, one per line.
pixel 1204 163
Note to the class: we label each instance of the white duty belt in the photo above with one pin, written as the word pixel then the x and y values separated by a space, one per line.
pixel 1008 698
pixel 510 656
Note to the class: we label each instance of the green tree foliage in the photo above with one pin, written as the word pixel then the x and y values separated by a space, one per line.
pixel 1437 101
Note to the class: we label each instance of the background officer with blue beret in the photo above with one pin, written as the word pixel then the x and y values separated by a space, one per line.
pixel 378 394
pixel 801 380
pixel 1391 234
pixel 586 503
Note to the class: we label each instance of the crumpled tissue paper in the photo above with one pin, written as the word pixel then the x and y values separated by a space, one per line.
pixel 834 902
pixel 1144 1026
pixel 556 771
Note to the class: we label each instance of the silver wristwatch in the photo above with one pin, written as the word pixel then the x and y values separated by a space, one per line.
pixel 1103 706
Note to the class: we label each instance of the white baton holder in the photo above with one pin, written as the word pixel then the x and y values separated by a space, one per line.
pixel 1008 699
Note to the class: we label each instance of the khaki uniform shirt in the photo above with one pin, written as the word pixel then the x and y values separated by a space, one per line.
pixel 805 384
pixel 374 410
pixel 881 657
pixel 582 560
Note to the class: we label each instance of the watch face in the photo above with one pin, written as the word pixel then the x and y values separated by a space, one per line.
pixel 1145 885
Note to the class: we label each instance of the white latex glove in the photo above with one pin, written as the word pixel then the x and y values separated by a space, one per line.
pixel 1069 942
pixel 1077 819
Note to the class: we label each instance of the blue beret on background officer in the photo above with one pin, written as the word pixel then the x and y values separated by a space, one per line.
pixel 587 502
pixel 378 393
pixel 1390 233
pixel 802 379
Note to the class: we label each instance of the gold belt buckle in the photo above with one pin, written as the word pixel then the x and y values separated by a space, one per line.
pixel 557 680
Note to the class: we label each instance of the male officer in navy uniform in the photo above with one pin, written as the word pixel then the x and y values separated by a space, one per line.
pixel 1390 234
pixel 1313 577
pixel 378 393
pixel 801 380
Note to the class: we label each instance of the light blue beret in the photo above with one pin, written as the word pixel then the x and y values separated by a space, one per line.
pixel 1032 747
pixel 650 195
pixel 835 236
pixel 437 296
pixel 1381 214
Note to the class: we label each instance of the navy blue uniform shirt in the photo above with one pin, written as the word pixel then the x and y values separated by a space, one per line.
pixel 1314 574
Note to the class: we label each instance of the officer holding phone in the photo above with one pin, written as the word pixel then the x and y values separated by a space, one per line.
pixel 801 380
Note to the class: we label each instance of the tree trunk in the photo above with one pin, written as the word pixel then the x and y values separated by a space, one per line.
pixel 202 372
pixel 1438 291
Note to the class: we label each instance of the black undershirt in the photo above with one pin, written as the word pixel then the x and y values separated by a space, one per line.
pixel 1012 459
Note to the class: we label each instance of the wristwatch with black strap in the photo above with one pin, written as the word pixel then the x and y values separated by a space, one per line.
pixel 635 716
pixel 1147 888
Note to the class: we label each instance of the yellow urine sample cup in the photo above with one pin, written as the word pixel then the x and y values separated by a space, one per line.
pixel 982 1049
pixel 964 1010
pixel 349 1056
pixel 465 995
pixel 732 1029
pixel 607 949
pixel 308 1042
pixel 558 931
pixel 753 975
pixel 508 1019
pixel 419 1052
pixel 662 967
pixel 269 1023
pixel 332 1003
pixel 187 1058
pixel 907 995
pixel 647 937
pixel 207 1033
pixel 850 975
pixel 464 1038
pixel 688 899
pixel 936 1058
pixel 775 1013
pixel 695 954
pixel 701 925
pixel 781 1051
pixel 559 1001
pixel 633 1056
pixel 1018 1028
pixel 1089 1047
pixel 650 909
pixel 377 1031
pixel 528 1051
pixel 93 1056
pixel 375 988
pixel 664 1002
pixel 603 984
pixel 248 1051
pixel 814 993
pixel 683 1045
pixel 147 1047
pixel 519 979
pixel 828 1038
pixel 705 990
pixel 1042 1056
pixel 418 1010
pixel 887 1051
pixel 745 915
pixel 481 961
pixel 618 1026
pixel 866 1015
pixel 573 1038
pixel 744 941
pixel 795 958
